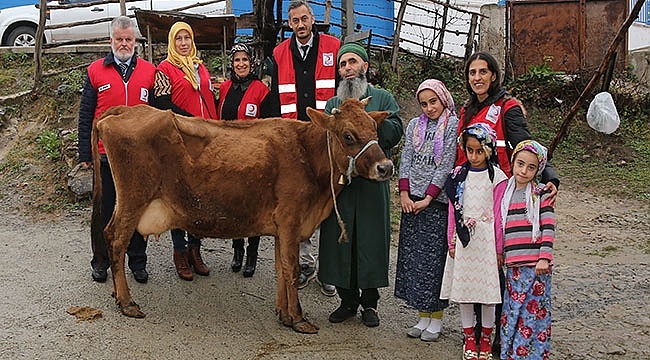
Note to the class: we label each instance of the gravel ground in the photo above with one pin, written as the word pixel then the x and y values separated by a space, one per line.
pixel 600 291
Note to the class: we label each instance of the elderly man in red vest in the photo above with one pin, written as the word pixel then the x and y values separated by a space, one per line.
pixel 121 78
pixel 304 74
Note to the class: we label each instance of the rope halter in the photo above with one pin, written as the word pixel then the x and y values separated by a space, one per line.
pixel 352 161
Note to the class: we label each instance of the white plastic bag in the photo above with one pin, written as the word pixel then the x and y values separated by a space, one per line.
pixel 602 115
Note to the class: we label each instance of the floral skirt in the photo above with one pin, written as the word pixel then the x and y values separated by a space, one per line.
pixel 526 317
pixel 421 259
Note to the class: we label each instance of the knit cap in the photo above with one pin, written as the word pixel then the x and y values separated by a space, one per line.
pixel 353 48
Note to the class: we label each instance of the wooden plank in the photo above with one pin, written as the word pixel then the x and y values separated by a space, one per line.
pixel 209 31
pixel 357 36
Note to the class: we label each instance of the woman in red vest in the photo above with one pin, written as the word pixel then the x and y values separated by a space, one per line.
pixel 183 85
pixel 243 97
pixel 490 103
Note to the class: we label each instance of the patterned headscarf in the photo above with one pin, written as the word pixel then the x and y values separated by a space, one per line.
pixel 536 148
pixel 486 135
pixel 455 184
pixel 450 111
pixel 242 47
pixel 185 63
pixel 532 190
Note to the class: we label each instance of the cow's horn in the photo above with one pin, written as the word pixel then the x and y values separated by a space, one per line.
pixel 336 111
pixel 366 100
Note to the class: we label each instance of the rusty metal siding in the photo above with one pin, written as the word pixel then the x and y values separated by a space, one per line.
pixel 604 18
pixel 574 33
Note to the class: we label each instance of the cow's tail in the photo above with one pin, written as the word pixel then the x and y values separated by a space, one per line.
pixel 97 218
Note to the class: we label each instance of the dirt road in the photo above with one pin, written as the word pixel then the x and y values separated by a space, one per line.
pixel 601 289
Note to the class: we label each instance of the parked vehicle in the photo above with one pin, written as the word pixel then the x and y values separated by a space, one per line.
pixel 12 3
pixel 18 24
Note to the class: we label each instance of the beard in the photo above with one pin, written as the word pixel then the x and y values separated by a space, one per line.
pixel 123 56
pixel 354 88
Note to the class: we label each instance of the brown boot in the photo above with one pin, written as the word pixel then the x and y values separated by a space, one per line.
pixel 182 266
pixel 194 256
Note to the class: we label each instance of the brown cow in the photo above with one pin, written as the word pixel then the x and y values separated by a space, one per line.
pixel 231 179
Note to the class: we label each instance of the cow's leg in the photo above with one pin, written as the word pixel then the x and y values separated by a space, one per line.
pixel 281 290
pixel 118 241
pixel 288 302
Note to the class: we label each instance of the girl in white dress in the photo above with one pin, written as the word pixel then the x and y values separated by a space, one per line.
pixel 475 190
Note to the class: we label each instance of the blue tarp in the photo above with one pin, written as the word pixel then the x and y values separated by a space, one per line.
pixel 381 9
pixel 11 3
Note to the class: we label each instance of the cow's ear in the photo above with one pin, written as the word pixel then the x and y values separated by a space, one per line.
pixel 317 117
pixel 379 116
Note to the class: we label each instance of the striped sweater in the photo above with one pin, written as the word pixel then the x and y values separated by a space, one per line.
pixel 519 248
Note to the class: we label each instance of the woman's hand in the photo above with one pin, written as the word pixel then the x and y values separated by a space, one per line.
pixel 552 193
pixel 452 253
pixel 421 204
pixel 500 260
pixel 542 267
pixel 407 204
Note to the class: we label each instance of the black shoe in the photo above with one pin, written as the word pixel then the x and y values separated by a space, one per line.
pixel 251 262
pixel 237 259
pixel 306 274
pixel 141 276
pixel 343 313
pixel 369 317
pixel 99 275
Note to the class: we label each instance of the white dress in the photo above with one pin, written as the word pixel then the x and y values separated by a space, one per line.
pixel 473 275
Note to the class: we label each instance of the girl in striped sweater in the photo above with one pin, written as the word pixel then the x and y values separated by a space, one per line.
pixel 529 227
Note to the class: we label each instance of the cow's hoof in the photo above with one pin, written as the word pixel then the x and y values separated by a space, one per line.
pixel 305 327
pixel 286 320
pixel 132 310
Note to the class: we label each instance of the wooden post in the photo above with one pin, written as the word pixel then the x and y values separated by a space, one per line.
pixel 149 44
pixel 122 7
pixel 469 46
pixel 224 50
pixel 398 28
pixel 603 64
pixel 443 28
pixel 38 47
pixel 328 9
pixel 348 5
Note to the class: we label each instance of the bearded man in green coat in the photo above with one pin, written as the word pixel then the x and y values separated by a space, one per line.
pixel 359 266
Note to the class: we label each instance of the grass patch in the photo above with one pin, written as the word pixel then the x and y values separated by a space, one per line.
pixel 604 252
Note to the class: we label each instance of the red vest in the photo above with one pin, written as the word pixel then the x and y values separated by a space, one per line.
pixel 249 107
pixel 325 75
pixel 184 95
pixel 112 90
pixel 492 115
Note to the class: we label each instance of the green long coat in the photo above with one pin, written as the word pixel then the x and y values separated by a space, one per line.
pixel 364 205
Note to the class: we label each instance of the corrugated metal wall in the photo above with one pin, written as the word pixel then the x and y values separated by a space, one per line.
pixel 574 33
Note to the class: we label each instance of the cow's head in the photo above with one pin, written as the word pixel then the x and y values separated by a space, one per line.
pixel 352 132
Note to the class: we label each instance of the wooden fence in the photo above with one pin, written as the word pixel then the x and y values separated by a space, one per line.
pixel 433 32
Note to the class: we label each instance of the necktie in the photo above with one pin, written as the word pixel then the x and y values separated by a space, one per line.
pixel 305 49
pixel 123 68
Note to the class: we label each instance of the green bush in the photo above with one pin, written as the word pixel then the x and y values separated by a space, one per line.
pixel 542 86
pixel 50 143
